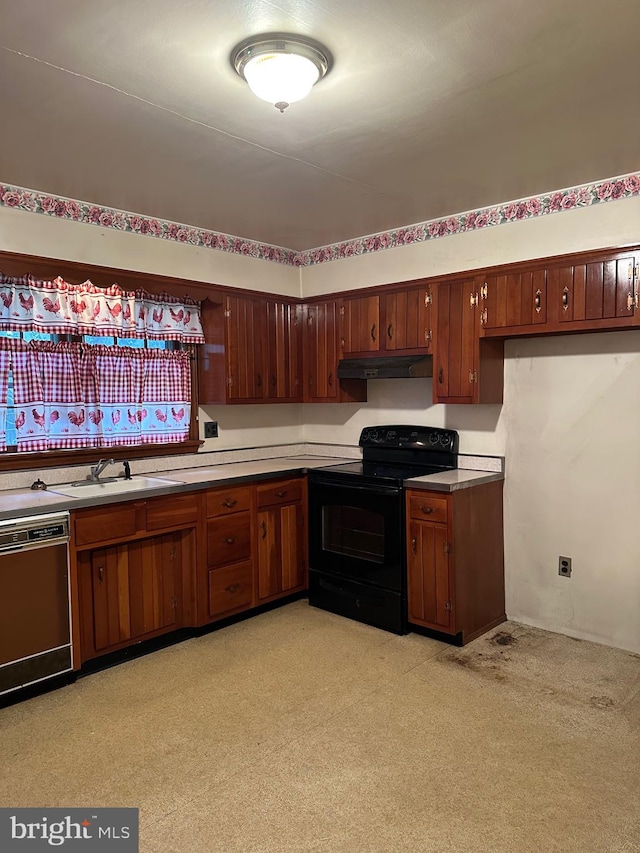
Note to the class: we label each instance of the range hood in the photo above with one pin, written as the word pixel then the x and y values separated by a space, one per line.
pixel 386 367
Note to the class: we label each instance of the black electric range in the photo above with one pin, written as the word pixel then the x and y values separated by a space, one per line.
pixel 357 565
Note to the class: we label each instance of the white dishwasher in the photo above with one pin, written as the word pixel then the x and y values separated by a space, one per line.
pixel 35 621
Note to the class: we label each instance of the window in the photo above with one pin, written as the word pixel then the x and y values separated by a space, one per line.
pixel 148 402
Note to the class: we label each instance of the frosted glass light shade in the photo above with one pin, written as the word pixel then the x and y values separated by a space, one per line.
pixel 281 68
pixel 281 77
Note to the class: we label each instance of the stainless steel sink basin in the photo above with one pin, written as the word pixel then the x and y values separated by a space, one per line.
pixel 119 487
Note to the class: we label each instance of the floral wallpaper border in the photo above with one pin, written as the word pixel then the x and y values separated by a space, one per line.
pixel 585 195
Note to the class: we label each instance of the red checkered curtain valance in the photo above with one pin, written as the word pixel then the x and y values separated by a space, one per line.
pixel 69 395
pixel 5 363
pixel 57 307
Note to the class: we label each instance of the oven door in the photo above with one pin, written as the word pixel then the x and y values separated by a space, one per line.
pixel 356 532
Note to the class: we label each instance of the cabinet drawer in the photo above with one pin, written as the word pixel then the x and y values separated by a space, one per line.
pixel 226 501
pixel 283 492
pixel 427 508
pixel 178 510
pixel 230 589
pixel 105 524
pixel 229 539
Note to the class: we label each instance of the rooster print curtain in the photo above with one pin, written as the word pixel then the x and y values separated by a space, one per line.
pixel 57 307
pixel 69 395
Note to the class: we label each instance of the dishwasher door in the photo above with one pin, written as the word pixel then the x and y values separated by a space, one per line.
pixel 35 623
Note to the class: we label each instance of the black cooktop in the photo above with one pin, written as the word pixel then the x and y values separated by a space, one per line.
pixel 391 454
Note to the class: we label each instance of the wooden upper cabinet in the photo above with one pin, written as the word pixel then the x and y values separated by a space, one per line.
pixel 284 352
pixel 245 339
pixel 252 351
pixel 466 369
pixel 603 291
pixel 600 293
pixel 406 323
pixel 322 352
pixel 360 324
pixel 513 299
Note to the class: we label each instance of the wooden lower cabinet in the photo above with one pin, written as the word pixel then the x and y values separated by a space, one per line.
pixel 455 560
pixel 130 592
pixel 226 577
pixel 281 538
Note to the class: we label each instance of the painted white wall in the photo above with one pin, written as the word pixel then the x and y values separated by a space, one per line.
pixel 572 408
pixel 599 226
pixel 252 426
pixel 37 234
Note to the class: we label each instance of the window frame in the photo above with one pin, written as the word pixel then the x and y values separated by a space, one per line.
pixel 15 264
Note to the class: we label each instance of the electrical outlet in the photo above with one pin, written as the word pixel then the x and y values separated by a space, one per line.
pixel 564 567
pixel 211 429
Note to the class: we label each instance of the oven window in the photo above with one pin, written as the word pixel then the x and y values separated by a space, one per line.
pixel 353 532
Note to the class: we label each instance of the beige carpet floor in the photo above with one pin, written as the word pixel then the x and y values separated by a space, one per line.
pixel 301 731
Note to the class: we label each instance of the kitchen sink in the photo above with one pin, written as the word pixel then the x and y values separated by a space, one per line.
pixel 116 487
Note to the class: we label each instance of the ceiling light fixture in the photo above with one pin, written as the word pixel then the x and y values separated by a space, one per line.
pixel 281 68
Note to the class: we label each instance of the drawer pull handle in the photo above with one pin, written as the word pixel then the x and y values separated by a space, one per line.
pixel 427 510
pixel 538 300
pixel 414 545
pixel 230 540
pixel 390 331
pixel 100 573
pixel 263 527
pixel 330 380
pixel 229 503
pixel 280 494
pixel 565 299
pixel 373 333
pixel 233 587
pixel 441 375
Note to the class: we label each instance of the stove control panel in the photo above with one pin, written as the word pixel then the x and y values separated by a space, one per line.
pixel 410 437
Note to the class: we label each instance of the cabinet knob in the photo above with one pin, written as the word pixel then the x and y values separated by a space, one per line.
pixel 330 380
pixel 281 494
pixel 427 510
pixel 414 545
pixel 441 375
pixel 230 540
pixel 229 503
pixel 259 381
pixel 100 573
pixel 263 527
pixel 233 587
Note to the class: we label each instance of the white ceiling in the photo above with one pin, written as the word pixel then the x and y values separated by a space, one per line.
pixel 432 107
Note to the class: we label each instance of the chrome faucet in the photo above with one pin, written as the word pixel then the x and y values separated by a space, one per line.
pixel 96 470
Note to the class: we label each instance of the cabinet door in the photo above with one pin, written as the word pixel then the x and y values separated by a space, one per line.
pixel 322 351
pixel 245 336
pixel 601 290
pixel 430 591
pixel 281 550
pixel 284 368
pixel 135 591
pixel 456 342
pixel 361 324
pixel 513 300
pixel 407 320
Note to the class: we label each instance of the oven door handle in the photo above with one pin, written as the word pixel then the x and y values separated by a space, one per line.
pixel 343 487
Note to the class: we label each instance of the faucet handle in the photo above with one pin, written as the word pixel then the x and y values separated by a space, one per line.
pixel 127 470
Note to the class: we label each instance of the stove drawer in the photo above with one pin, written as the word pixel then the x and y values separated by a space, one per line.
pixel 426 507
